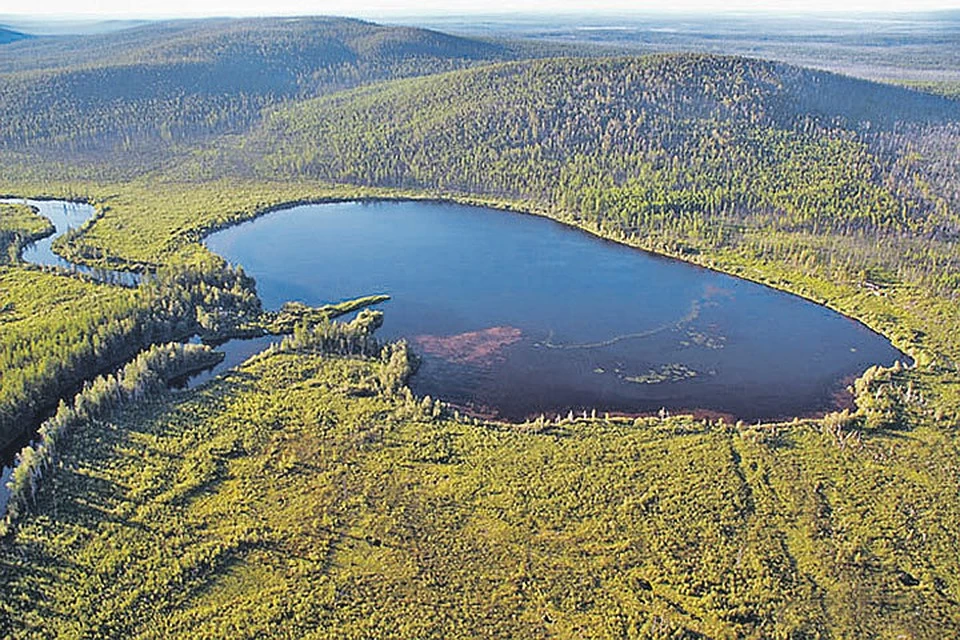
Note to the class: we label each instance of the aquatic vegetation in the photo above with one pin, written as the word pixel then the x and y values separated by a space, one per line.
pixel 680 323
pixel 712 340
pixel 673 372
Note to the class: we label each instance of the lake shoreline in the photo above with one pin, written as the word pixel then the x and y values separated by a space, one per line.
pixel 525 210
pixel 459 275
pixel 528 210
pixel 377 194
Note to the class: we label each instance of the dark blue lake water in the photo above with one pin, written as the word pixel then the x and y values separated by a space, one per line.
pixel 516 315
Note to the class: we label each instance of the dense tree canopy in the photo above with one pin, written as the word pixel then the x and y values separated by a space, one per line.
pixel 168 83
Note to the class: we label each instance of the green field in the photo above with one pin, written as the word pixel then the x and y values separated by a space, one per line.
pixel 296 498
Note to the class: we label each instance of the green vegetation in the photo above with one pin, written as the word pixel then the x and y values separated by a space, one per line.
pixel 943 88
pixel 142 92
pixel 50 324
pixel 300 497
pixel 145 376
pixel 19 226
pixel 294 314
pixel 309 494
pixel 59 331
pixel 136 230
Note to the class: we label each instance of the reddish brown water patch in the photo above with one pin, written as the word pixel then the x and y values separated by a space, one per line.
pixel 474 347
pixel 842 397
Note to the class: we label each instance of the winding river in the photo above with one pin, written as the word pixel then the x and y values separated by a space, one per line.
pixel 72 215
pixel 66 216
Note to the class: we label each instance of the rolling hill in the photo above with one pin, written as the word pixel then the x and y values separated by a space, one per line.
pixel 310 494
pixel 8 35
pixel 634 141
pixel 171 82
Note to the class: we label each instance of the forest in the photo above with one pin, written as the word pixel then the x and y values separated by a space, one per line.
pixel 162 84
pixel 19 226
pixel 310 494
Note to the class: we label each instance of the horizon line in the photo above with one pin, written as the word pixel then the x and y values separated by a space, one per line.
pixel 367 15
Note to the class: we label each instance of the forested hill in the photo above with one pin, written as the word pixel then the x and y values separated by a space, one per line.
pixel 6 35
pixel 638 138
pixel 170 82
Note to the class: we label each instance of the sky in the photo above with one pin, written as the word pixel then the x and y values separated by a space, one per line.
pixel 374 8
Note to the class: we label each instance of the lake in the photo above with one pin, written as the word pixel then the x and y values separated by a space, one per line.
pixel 516 315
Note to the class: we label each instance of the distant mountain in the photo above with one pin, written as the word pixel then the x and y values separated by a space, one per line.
pixel 170 82
pixel 7 35
pixel 267 38
pixel 52 26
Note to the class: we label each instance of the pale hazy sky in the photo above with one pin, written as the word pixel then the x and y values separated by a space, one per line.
pixel 373 8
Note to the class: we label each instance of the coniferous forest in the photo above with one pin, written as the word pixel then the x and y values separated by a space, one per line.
pixel 311 493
